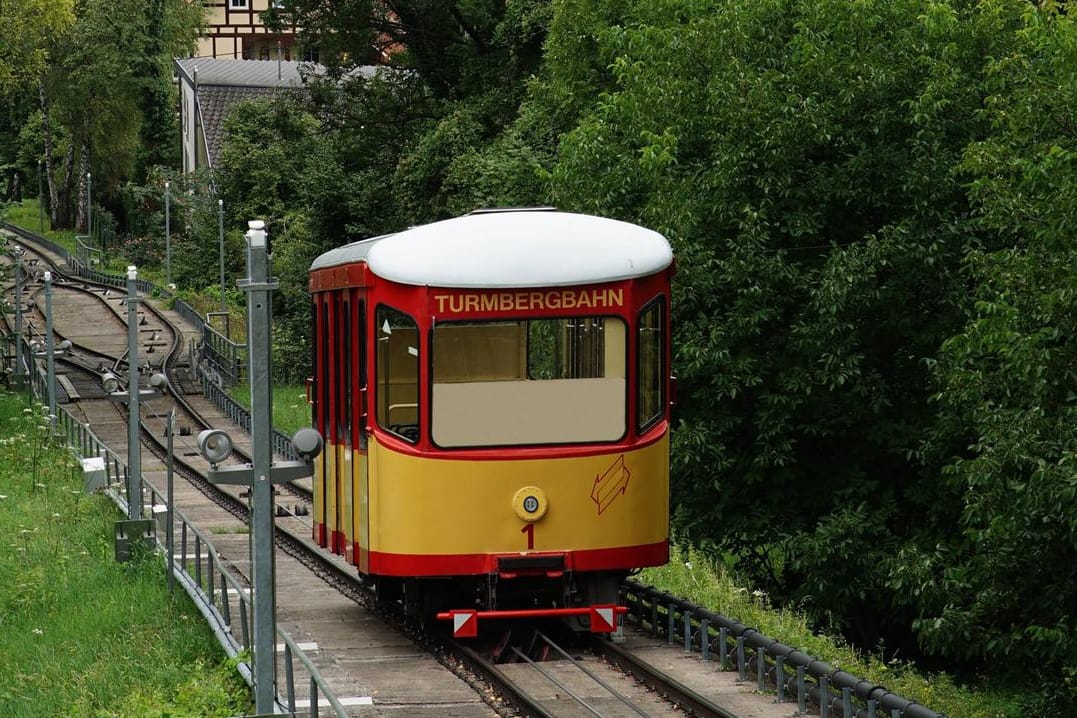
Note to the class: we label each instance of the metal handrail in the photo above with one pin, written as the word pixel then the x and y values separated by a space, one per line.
pixel 710 632
pixel 227 357
pixel 282 443
pixel 218 613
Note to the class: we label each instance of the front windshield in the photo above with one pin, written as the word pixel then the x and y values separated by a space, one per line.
pixel 540 381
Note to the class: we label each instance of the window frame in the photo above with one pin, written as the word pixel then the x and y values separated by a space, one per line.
pixel 644 424
pixel 626 353
pixel 378 376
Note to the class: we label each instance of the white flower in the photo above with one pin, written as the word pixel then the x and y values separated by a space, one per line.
pixel 3 496
pixel 688 565
pixel 38 631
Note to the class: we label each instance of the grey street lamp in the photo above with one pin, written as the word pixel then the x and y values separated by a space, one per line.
pixel 168 238
pixel 89 206
pixel 220 243
pixel 49 352
pixel 20 362
pixel 262 472
pixel 131 397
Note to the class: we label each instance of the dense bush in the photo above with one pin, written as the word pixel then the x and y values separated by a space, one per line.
pixel 870 205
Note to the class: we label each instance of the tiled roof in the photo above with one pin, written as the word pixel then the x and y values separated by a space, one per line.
pixel 221 83
pixel 215 102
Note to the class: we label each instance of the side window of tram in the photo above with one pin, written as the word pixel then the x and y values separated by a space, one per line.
pixel 650 374
pixel 397 373
pixel 322 384
pixel 343 370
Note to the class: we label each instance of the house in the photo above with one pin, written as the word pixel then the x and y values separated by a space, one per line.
pixel 233 29
pixel 208 90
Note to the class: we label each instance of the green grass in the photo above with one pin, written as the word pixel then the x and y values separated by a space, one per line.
pixel 290 408
pixel 26 215
pixel 694 576
pixel 82 634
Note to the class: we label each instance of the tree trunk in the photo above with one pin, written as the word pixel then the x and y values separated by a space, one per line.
pixel 82 225
pixel 46 131
pixel 64 191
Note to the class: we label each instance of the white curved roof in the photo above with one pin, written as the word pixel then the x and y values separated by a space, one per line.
pixel 511 249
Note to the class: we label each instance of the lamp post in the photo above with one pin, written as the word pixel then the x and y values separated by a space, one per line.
pixel 89 206
pixel 50 352
pixel 261 473
pixel 220 242
pixel 168 238
pixel 134 445
pixel 170 541
pixel 50 361
pixel 19 361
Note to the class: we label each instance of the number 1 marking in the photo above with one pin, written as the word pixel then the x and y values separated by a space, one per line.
pixel 529 529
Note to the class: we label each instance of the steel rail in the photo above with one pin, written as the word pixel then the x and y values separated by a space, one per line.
pixel 669 687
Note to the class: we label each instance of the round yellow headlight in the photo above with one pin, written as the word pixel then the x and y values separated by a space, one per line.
pixel 530 503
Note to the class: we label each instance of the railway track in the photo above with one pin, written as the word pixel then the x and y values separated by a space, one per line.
pixel 368 652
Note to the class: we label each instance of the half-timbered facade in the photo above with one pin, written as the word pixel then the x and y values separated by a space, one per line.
pixel 234 30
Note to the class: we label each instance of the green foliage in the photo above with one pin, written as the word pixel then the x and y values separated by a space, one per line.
pixel 870 205
pixel 799 155
pixel 692 574
pixel 30 25
pixel 1005 584
pixel 86 635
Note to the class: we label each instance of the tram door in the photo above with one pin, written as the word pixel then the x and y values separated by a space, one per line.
pixel 320 414
pixel 340 515
pixel 333 378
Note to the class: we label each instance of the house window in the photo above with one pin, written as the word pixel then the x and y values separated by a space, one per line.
pixel 237 4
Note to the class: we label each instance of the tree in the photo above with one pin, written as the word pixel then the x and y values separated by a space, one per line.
pixel 800 157
pixel 30 28
pixel 1004 584
pixel 107 80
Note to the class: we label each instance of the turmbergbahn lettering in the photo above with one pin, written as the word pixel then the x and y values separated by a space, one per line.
pixel 492 302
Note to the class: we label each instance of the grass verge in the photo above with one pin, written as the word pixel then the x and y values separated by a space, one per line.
pixel 290 408
pixel 691 574
pixel 83 634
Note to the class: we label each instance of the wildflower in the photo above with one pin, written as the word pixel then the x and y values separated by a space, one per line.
pixel 56 516
pixel 25 531
pixel 39 632
pixel 40 486
pixel 688 565
pixel 27 411
pixel 3 496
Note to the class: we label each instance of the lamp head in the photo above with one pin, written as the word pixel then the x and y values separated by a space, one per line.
pixel 214 445
pixel 308 444
pixel 110 382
